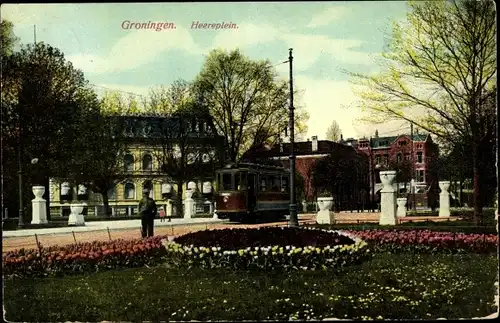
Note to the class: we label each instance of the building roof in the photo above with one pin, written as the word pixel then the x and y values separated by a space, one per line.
pixel 149 127
pixel 382 142
pixel 301 149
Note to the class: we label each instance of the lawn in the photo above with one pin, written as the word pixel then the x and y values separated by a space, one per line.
pixel 390 286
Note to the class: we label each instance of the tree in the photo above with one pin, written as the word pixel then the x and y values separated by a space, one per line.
pixel 43 102
pixel 189 147
pixel 101 155
pixel 333 132
pixel 441 63
pixel 347 175
pixel 246 100
pixel 8 39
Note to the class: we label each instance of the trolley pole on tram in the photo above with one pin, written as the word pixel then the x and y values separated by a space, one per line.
pixel 294 221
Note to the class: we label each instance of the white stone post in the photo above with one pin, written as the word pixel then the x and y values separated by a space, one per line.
pixel 39 212
pixel 189 204
pixel 401 207
pixel 388 208
pixel 215 211
pixel 324 216
pixel 76 216
pixel 169 211
pixel 444 199
pixel 51 189
pixel 304 206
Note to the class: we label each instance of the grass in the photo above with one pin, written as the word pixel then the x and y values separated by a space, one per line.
pixel 390 286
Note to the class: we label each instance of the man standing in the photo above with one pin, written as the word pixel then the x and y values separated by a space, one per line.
pixel 147 207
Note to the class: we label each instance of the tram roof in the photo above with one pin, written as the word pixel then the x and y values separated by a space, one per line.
pixel 252 166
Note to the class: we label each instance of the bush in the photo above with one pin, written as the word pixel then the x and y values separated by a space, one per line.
pixel 315 249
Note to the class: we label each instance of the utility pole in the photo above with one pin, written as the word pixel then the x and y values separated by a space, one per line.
pixel 413 175
pixel 294 221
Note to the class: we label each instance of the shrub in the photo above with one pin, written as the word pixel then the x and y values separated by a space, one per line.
pixel 326 249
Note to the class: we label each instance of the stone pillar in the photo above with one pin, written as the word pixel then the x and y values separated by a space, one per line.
pixel 324 215
pixel 401 207
pixel 304 206
pixel 39 212
pixel 51 190
pixel 76 216
pixel 169 211
pixel 444 199
pixel 388 209
pixel 189 205
pixel 215 211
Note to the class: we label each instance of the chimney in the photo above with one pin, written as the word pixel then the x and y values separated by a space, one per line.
pixel 314 143
pixel 341 138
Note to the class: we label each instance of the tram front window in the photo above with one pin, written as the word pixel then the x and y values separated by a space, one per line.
pixel 240 179
pixel 227 183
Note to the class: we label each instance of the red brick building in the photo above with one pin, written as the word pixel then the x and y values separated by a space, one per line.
pixel 306 152
pixel 380 152
pixel 383 151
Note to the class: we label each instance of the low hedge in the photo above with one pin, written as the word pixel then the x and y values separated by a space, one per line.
pixel 315 249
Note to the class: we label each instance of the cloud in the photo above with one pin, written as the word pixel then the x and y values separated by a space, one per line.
pixel 307 47
pixel 138 92
pixel 246 35
pixel 325 17
pixel 136 48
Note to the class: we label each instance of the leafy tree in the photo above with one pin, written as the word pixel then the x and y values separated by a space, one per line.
pixel 333 132
pixel 101 155
pixel 8 39
pixel 442 63
pixel 247 102
pixel 43 102
pixel 189 147
pixel 347 175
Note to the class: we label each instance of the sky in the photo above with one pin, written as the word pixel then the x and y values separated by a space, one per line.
pixel 326 37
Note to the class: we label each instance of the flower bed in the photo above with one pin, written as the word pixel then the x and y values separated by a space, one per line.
pixel 261 237
pixel 427 240
pixel 83 257
pixel 267 249
pixel 320 252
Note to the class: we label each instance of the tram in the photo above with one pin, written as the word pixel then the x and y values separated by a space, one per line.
pixel 247 192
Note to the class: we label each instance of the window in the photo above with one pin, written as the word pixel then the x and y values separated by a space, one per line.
pixel 407 156
pixel 386 159
pixel 399 158
pixel 403 143
pixel 147 163
pixel 148 186
pixel 112 193
pixel 419 157
pixel 129 162
pixel 377 159
pixel 227 182
pixel 420 176
pixel 241 180
pixel 263 183
pixel 129 191
pixel 284 184
pixel 274 183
